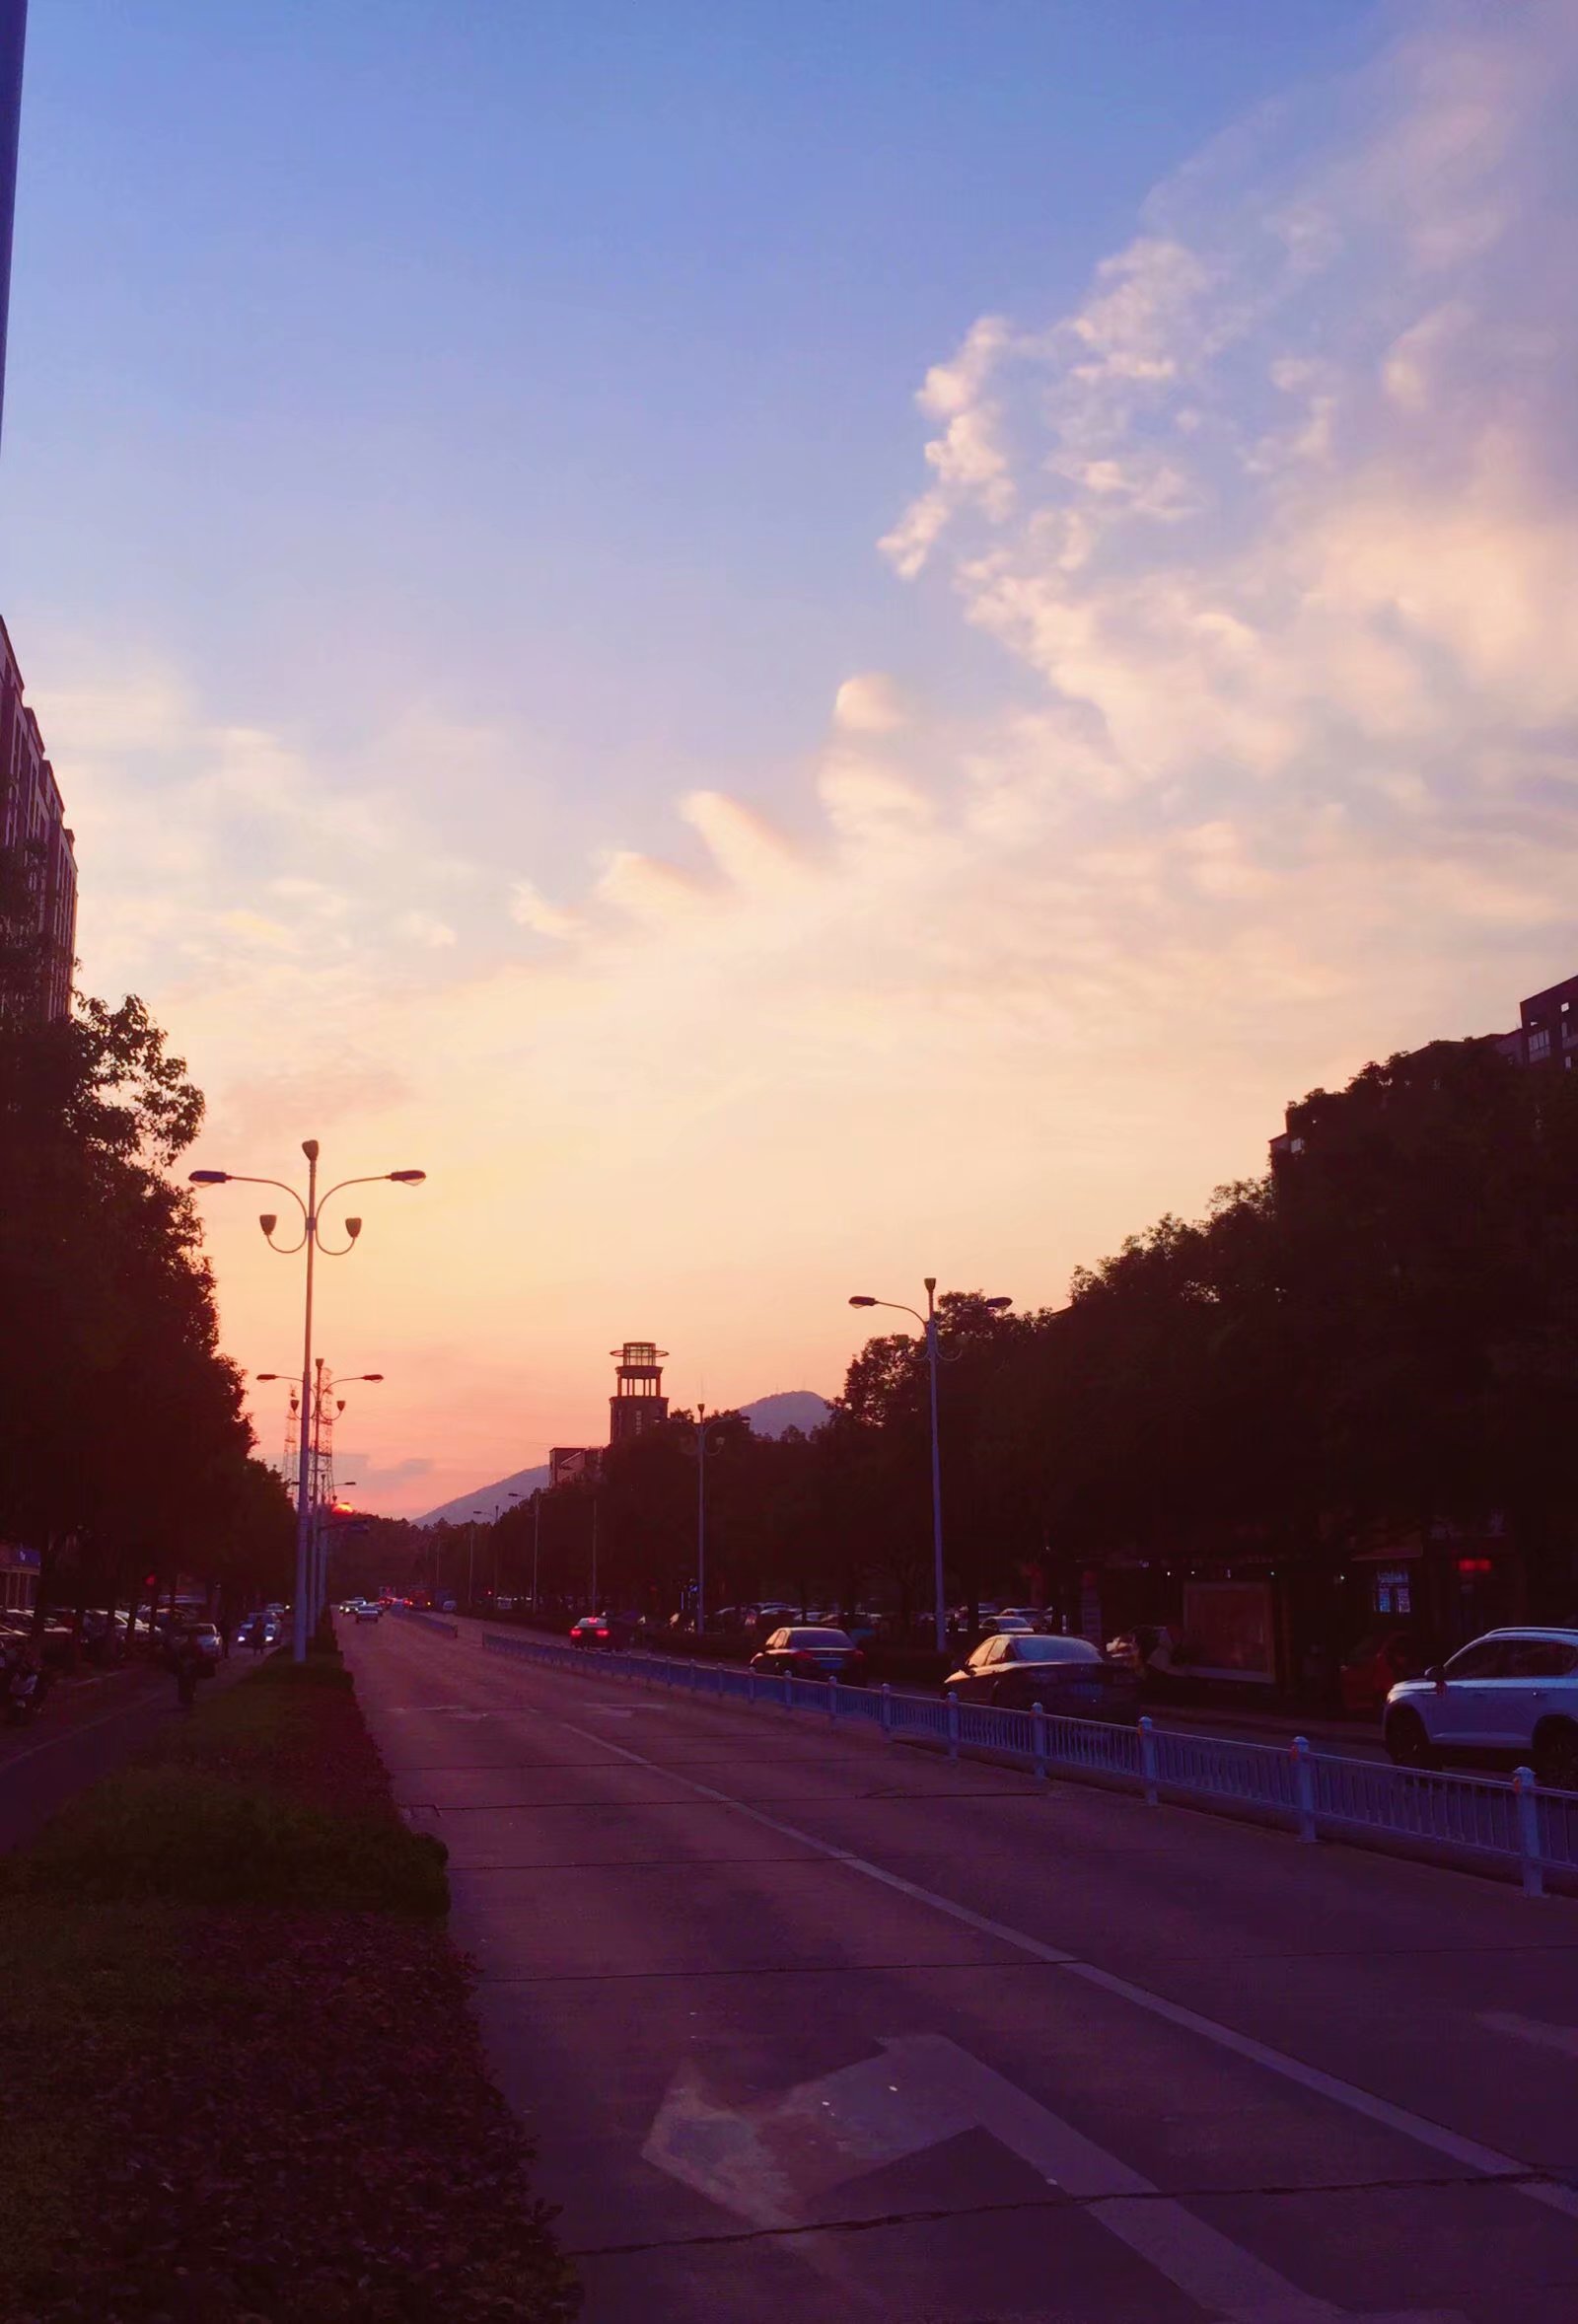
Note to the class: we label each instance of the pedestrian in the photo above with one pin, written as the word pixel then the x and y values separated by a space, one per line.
pixel 190 1666
pixel 257 1636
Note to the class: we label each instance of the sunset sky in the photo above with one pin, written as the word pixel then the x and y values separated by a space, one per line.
pixel 795 646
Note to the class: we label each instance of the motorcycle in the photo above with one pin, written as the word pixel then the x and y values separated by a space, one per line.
pixel 25 1689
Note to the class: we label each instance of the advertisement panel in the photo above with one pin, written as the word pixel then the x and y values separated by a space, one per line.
pixel 1229 1632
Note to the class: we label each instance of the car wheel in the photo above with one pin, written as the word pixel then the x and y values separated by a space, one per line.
pixel 1408 1745
pixel 1556 1755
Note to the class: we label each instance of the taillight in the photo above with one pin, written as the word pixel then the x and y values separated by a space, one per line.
pixel 602 1634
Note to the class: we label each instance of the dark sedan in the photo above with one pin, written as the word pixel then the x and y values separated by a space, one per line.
pixel 1067 1676
pixel 809 1653
pixel 593 1630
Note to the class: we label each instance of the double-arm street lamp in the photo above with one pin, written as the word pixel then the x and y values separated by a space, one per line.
pixel 928 1325
pixel 312 1209
pixel 326 1389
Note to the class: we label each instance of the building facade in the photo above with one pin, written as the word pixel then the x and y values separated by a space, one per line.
pixel 13 26
pixel 33 826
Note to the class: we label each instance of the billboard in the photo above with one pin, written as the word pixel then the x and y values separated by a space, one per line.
pixel 13 26
pixel 569 1464
pixel 1229 1632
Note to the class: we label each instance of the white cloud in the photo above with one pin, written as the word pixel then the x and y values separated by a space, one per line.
pixel 1279 528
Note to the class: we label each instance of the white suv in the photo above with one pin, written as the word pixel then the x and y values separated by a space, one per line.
pixel 1510 1699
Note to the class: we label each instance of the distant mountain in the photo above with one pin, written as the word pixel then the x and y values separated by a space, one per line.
pixel 792 1408
pixel 486 1498
pixel 769 1415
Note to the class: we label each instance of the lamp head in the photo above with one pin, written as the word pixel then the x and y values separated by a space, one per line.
pixel 209 1177
pixel 353 1227
pixel 860 1300
pixel 407 1178
pixel 268 1221
pixel 309 1148
pixel 997 1305
pixel 268 1376
pixel 371 1375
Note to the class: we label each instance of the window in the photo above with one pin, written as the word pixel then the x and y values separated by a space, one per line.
pixel 1486 1658
pixel 1539 1041
pixel 1541 1658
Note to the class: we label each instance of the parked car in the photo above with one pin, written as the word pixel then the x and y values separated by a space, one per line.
pixel 1148 1650
pixel 1067 1676
pixel 204 1635
pixel 593 1630
pixel 1369 1671
pixel 1004 1625
pixel 812 1652
pixel 369 1611
pixel 1507 1700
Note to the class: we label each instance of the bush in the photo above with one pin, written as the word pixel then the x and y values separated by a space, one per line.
pixel 187 1836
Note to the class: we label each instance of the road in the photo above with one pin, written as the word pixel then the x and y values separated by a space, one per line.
pixel 810 2027
pixel 86 1729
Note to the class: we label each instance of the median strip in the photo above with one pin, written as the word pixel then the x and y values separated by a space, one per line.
pixel 246 2082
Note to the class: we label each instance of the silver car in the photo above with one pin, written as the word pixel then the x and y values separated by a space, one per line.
pixel 1507 1700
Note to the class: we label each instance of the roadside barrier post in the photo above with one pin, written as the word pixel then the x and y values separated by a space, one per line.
pixel 1524 1785
pixel 788 1691
pixel 1304 1786
pixel 952 1724
pixel 887 1708
pixel 750 1686
pixel 1038 1738
pixel 1148 1758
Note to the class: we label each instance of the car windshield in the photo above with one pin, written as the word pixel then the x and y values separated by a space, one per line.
pixel 819 1638
pixel 1055 1650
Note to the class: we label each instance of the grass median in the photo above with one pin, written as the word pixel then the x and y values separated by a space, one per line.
pixel 244 2085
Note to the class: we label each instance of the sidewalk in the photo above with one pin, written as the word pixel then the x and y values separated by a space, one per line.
pixel 1351 1738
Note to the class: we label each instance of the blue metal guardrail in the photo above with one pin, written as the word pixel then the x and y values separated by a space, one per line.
pixel 446 1629
pixel 1529 1829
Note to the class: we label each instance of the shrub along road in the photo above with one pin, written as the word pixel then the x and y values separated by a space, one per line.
pixel 242 2081
pixel 813 2027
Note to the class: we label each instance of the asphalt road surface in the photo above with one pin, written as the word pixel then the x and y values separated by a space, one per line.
pixel 810 2027
pixel 86 1729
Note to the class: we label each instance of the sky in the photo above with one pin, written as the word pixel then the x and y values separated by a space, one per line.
pixel 796 647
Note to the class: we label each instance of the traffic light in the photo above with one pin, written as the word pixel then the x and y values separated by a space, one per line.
pixel 150 1582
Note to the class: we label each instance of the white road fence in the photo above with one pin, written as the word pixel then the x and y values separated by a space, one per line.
pixel 1522 1827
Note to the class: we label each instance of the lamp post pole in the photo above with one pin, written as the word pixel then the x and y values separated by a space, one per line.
pixel 311 1242
pixel 928 1324
pixel 937 1577
pixel 536 1541
pixel 323 1385
pixel 304 1471
pixel 701 1520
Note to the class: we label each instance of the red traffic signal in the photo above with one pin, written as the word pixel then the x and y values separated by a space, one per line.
pixel 150 1582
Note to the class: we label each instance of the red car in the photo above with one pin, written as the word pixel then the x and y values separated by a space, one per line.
pixel 1373 1668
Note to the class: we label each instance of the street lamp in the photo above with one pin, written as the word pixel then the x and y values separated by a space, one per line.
pixel 701 1519
pixel 928 1324
pixel 322 1396
pixel 311 1212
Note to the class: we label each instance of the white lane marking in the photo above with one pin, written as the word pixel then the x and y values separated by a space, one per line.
pixel 768 2161
pixel 1467 2151
pixel 1532 2029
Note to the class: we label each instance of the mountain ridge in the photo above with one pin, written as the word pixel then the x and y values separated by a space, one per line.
pixel 769 1415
